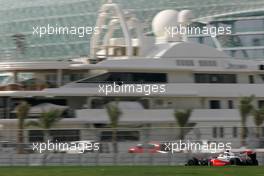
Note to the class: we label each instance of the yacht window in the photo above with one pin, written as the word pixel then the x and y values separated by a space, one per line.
pixel 135 51
pixel 51 80
pixel 127 77
pixel 97 79
pixel 234 132
pixel 72 77
pixel 149 77
pixel 261 103
pixel 251 79
pixel 121 136
pixel 159 102
pixel 215 104
pixel 3 78
pixel 36 136
pixel 65 135
pixel 262 77
pixel 145 103
pixel 184 62
pixel 3 102
pixel 207 63
pixel 222 132
pixel 59 135
pixel 230 104
pixel 97 104
pixel 215 78
pixel 214 132
pixel 3 110
pixel 169 103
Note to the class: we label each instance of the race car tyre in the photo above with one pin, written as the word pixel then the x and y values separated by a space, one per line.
pixel 248 163
pixel 190 163
pixel 204 163
pixel 255 162
pixel 193 162
pixel 235 161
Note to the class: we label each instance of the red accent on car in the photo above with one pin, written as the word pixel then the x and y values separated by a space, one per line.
pixel 217 162
pixel 147 148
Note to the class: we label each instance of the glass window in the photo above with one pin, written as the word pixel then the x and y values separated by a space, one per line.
pixel 36 136
pixel 148 77
pixel 215 104
pixel 214 132
pixel 185 62
pixel 121 136
pixel 262 76
pixel 234 132
pixel 256 42
pixel 159 102
pixel 65 135
pixel 207 63
pixel 215 78
pixel 51 80
pixel 134 78
pixel 230 104
pixel 56 135
pixel 97 79
pixel 261 103
pixel 251 79
pixel 222 132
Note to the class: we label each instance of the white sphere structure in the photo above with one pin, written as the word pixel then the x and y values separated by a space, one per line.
pixel 185 17
pixel 166 18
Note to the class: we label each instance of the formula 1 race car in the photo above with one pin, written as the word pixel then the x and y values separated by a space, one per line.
pixel 245 158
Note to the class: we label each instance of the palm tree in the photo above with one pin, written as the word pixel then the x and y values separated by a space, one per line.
pixel 114 114
pixel 182 118
pixel 245 109
pixel 46 121
pixel 258 120
pixel 21 113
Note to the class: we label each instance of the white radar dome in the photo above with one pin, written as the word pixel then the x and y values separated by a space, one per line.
pixel 185 16
pixel 163 19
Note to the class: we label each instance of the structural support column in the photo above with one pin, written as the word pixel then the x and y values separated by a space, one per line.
pixel 59 77
pixel 15 77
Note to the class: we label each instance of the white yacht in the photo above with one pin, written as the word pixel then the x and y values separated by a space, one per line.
pixel 192 76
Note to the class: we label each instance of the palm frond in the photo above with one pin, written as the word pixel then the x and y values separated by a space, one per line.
pixel 258 116
pixel 114 113
pixel 182 117
pixel 49 118
pixel 22 110
pixel 246 108
pixel 33 123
